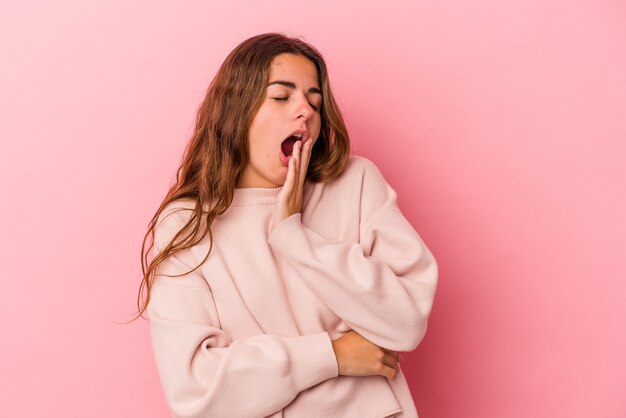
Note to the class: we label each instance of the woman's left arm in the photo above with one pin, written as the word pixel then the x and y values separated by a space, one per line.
pixel 383 287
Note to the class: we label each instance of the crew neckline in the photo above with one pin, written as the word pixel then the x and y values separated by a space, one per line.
pixel 255 195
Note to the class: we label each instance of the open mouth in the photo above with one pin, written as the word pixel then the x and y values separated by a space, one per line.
pixel 287 145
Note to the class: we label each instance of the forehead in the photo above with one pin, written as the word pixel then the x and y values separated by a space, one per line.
pixel 296 68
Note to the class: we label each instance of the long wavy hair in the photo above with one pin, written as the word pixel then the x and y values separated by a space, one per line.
pixel 217 152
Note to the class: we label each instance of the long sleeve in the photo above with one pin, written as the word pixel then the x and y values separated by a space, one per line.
pixel 383 286
pixel 202 371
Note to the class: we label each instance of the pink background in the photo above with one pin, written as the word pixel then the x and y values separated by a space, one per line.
pixel 502 125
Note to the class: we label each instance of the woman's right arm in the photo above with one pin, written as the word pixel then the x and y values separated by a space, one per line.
pixel 202 371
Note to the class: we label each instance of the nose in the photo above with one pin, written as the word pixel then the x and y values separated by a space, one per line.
pixel 304 109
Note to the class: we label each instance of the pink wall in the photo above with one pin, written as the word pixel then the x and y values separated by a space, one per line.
pixel 502 125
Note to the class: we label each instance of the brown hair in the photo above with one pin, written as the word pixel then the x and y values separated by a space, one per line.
pixel 217 152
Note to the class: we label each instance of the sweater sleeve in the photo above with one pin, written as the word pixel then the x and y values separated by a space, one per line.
pixel 383 286
pixel 203 371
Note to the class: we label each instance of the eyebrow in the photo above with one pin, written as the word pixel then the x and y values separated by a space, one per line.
pixel 293 86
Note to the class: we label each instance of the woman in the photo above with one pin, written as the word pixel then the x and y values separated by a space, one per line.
pixel 285 278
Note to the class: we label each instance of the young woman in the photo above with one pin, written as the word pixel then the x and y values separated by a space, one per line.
pixel 285 280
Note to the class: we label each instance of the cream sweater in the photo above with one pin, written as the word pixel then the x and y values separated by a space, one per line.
pixel 248 334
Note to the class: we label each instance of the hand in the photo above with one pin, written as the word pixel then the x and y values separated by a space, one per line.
pixel 357 356
pixel 290 197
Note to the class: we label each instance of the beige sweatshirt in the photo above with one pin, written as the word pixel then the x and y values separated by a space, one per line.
pixel 248 334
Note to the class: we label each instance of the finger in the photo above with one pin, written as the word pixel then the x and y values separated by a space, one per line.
pixel 304 160
pixel 390 361
pixel 291 174
pixel 389 372
pixel 296 156
pixel 394 353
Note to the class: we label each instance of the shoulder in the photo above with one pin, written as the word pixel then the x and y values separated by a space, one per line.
pixel 358 169
pixel 171 220
pixel 360 192
pixel 177 211
pixel 364 169
pixel 374 188
pixel 360 164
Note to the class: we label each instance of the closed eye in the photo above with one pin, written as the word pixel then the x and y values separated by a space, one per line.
pixel 285 98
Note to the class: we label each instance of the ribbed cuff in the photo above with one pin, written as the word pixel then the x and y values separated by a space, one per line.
pixel 280 232
pixel 314 360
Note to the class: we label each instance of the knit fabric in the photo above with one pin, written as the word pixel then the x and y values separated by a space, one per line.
pixel 248 333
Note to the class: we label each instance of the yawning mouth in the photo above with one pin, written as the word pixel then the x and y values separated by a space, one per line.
pixel 287 145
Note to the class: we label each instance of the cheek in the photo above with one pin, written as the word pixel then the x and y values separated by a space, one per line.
pixel 318 127
pixel 262 121
pixel 256 132
pixel 261 135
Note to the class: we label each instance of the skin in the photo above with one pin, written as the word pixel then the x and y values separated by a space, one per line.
pixel 273 122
